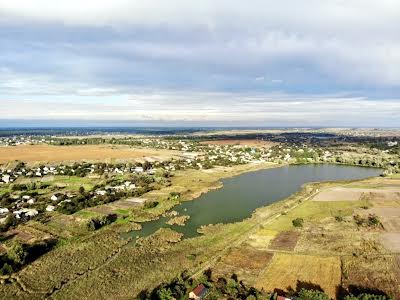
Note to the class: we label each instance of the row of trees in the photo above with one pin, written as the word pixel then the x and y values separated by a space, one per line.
pixel 233 288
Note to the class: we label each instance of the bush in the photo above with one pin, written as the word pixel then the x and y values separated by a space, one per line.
pixel 339 218
pixel 298 222
pixel 312 295
pixel 6 269
pixel 97 223
pixel 17 254
pixel 150 204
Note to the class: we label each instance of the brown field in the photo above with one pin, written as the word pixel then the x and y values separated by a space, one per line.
pixel 248 258
pixel 355 194
pixel 391 241
pixel 248 142
pixel 285 240
pixel 47 153
pixel 291 272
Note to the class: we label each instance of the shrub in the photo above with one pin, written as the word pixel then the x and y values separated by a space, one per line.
pixel 339 218
pixel 97 223
pixel 298 222
pixel 150 204
pixel 17 254
pixel 312 295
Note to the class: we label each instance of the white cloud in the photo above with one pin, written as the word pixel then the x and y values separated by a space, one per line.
pixel 250 109
pixel 353 41
pixel 142 60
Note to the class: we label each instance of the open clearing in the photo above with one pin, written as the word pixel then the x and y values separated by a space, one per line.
pixel 47 153
pixel 391 241
pixel 248 142
pixel 289 271
pixel 355 194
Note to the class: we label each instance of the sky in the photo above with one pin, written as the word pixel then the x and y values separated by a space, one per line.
pixel 200 63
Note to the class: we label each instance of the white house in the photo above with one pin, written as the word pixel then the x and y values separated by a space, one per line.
pixel 50 208
pixel 54 198
pixel 4 210
pixel 138 169
pixel 6 178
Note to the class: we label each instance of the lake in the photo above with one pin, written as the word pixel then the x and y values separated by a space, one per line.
pixel 242 194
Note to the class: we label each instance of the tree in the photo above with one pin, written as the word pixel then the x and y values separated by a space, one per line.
pixel 312 295
pixel 81 190
pixel 298 222
pixel 17 254
pixel 164 294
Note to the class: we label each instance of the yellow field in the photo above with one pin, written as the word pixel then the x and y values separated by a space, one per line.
pixel 288 271
pixel 47 153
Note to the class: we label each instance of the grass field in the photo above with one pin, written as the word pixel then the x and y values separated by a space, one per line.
pixel 48 153
pixel 289 272
pixel 313 211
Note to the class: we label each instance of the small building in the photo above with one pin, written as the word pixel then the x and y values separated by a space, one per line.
pixel 50 208
pixel 282 298
pixel 54 198
pixel 6 178
pixel 199 292
pixel 4 210
pixel 138 170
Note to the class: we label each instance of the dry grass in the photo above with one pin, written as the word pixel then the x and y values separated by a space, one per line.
pixel 286 271
pixel 47 153
pixel 261 238
pixel 376 272
pixel 248 258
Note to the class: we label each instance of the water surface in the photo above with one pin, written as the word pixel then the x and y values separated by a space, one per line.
pixel 242 194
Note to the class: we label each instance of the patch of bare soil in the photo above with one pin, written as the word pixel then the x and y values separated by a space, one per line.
pixel 355 194
pixel 339 194
pixel 391 241
pixel 389 217
pixel 286 240
pixel 381 195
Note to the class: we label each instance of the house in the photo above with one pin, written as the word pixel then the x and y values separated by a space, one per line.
pixel 54 198
pixel 138 170
pixel 282 298
pixel 199 292
pixel 50 208
pixel 6 178
pixel 3 210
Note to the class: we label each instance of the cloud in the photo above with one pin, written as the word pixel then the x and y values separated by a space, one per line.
pixel 172 57
pixel 273 109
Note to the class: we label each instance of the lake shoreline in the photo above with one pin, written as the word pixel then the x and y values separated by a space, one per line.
pixel 261 190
